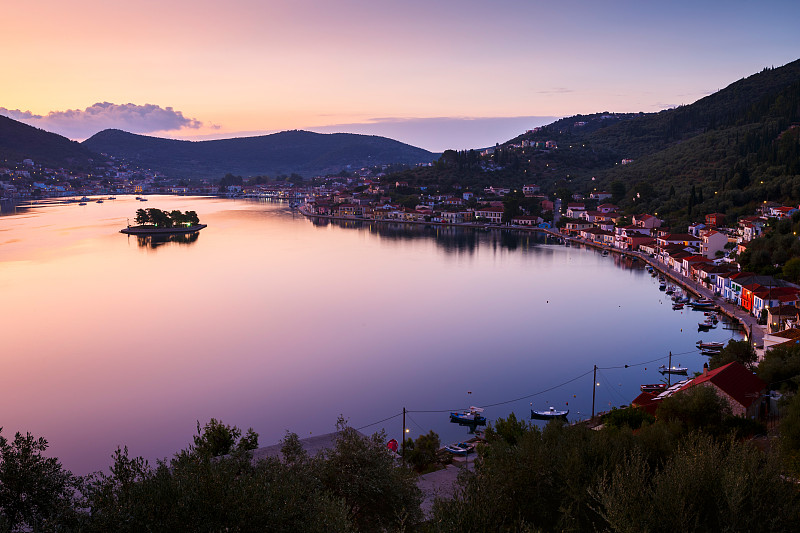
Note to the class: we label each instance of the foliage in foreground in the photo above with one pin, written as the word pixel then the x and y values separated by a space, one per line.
pixel 355 486
pixel 575 479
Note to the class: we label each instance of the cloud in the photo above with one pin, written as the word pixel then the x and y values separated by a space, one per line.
pixel 81 124
pixel 556 90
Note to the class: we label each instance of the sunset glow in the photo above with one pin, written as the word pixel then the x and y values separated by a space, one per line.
pixel 259 66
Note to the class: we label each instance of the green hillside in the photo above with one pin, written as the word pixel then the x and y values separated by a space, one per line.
pixel 727 143
pixel 303 152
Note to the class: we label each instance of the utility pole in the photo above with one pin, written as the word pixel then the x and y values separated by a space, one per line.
pixel 594 389
pixel 669 374
pixel 403 453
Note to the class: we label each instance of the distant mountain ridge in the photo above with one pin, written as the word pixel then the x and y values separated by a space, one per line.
pixel 20 141
pixel 297 151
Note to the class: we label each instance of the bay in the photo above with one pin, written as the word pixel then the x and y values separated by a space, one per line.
pixel 268 319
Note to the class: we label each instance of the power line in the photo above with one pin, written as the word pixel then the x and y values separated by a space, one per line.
pixel 379 421
pixel 535 393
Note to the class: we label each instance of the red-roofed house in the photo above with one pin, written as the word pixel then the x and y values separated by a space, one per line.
pixel 737 385
pixel 715 219
pixel 646 221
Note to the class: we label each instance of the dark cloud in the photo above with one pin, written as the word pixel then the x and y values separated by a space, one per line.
pixel 83 123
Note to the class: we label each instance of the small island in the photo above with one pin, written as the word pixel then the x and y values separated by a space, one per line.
pixel 158 222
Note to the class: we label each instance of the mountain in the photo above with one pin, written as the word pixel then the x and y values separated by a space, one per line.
pixel 301 152
pixel 19 141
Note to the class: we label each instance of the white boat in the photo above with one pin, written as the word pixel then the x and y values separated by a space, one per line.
pixel 549 414
pixel 461 448
pixel 682 370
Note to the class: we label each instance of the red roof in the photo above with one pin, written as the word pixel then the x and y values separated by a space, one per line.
pixel 734 380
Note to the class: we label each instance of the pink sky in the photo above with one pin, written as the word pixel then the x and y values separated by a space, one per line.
pixel 258 66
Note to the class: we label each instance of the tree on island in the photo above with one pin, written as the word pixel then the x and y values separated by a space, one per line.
pixel 162 219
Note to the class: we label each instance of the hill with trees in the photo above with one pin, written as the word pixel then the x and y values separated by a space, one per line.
pixel 736 146
pixel 18 141
pixel 297 151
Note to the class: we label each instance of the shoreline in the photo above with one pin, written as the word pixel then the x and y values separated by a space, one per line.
pixel 152 230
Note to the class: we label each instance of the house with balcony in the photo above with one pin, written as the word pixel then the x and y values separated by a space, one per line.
pixel 493 215
pixel 530 190
pixel 574 210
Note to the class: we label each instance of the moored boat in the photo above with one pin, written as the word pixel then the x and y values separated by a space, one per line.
pixel 680 370
pixel 471 417
pixel 549 414
pixel 677 306
pixel 710 345
pixel 461 448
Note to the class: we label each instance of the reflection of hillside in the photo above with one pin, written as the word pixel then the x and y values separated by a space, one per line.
pixel 154 241
pixel 452 239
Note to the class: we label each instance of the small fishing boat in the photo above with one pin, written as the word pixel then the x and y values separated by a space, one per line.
pixel 710 345
pixel 605 252
pixel 653 387
pixel 680 370
pixel 549 414
pixel 705 326
pixel 82 203
pixel 99 201
pixel 471 417
pixel 662 286
pixel 670 290
pixel 677 306
pixel 461 448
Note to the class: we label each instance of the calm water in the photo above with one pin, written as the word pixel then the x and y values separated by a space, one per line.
pixel 268 320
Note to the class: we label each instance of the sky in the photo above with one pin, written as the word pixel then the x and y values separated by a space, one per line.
pixel 433 73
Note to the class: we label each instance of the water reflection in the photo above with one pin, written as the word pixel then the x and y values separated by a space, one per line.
pixel 277 322
pixel 154 241
pixel 448 238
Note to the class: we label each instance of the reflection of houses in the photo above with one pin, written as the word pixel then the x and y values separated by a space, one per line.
pixel 734 383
